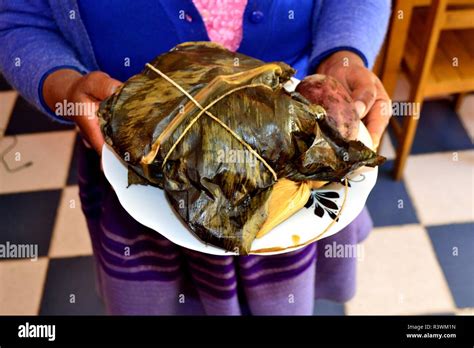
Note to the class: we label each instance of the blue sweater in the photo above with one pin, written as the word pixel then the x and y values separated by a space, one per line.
pixel 40 36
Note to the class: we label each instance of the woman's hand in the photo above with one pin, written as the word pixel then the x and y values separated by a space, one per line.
pixel 371 100
pixel 86 92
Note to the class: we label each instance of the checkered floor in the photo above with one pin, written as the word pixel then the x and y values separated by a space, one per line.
pixel 418 259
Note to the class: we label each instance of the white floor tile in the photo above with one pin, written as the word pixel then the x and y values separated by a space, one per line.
pixel 50 153
pixel 70 234
pixel 441 186
pixel 399 274
pixel 465 311
pixel 21 288
pixel 386 147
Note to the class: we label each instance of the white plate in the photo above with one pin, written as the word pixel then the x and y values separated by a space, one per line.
pixel 150 207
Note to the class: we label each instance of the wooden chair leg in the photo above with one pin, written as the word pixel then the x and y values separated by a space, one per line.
pixel 433 27
pixel 395 42
pixel 404 147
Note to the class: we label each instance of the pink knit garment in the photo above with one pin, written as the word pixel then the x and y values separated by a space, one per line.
pixel 223 20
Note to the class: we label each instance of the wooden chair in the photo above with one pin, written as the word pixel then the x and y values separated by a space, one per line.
pixel 435 40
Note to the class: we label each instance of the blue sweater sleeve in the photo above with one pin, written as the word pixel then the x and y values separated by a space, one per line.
pixel 357 26
pixel 32 47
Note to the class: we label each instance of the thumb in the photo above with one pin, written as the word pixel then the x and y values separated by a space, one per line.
pixel 90 129
pixel 100 85
pixel 363 93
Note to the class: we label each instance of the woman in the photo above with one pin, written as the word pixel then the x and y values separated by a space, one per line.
pixel 80 51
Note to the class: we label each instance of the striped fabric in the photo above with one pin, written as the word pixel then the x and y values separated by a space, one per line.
pixel 141 272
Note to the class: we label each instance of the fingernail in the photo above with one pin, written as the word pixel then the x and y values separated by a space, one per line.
pixel 360 108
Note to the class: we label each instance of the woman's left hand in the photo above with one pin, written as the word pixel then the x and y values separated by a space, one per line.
pixel 370 98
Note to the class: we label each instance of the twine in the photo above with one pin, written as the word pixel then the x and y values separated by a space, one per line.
pixel 208 113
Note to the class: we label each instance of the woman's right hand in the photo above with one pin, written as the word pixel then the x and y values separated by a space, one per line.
pixel 86 92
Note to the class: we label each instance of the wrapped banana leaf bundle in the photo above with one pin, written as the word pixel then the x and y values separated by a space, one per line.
pixel 235 153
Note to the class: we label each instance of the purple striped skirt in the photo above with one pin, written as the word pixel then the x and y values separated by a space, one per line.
pixel 139 272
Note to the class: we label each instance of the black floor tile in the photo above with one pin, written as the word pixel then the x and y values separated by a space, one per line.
pixel 27 119
pixel 28 218
pixel 72 174
pixel 454 247
pixel 70 288
pixel 389 203
pixel 439 129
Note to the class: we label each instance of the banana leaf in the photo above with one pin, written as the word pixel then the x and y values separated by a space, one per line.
pixel 220 181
